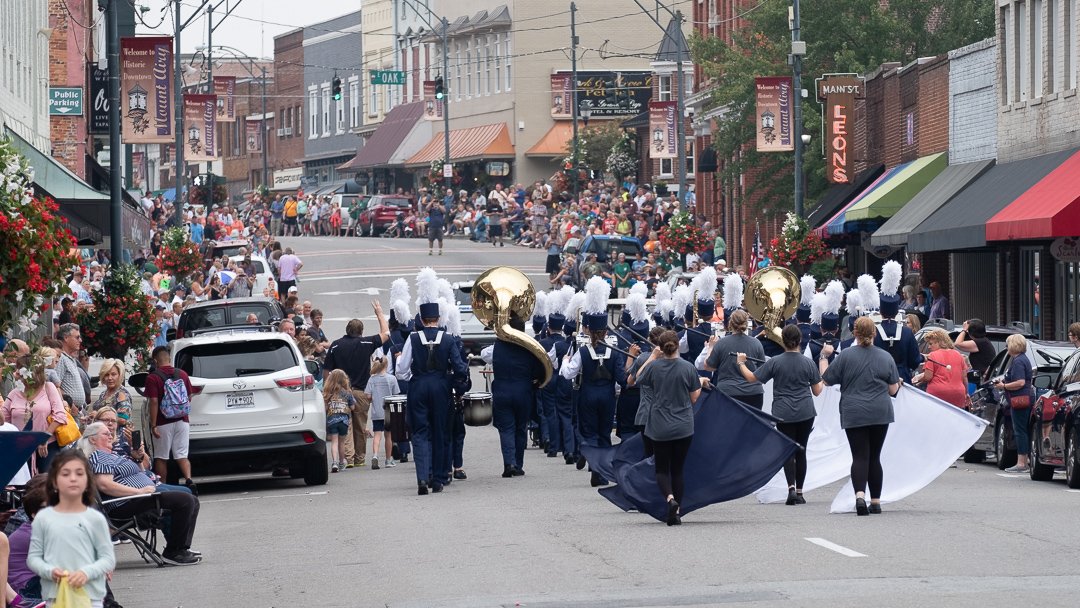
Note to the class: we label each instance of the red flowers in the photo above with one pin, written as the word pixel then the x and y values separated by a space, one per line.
pixel 119 318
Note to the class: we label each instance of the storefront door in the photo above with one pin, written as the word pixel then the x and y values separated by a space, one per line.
pixel 1028 289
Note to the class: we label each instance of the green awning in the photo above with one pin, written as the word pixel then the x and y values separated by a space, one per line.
pixel 54 178
pixel 890 197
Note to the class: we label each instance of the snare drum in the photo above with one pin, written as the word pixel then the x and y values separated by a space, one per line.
pixel 394 407
pixel 476 408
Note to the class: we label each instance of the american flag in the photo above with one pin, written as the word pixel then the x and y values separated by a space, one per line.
pixel 756 253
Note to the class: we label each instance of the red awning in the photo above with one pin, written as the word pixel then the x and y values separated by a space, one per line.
pixel 1048 210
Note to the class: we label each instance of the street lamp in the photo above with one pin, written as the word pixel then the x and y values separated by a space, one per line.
pixel 194 139
pixel 658 139
pixel 585 110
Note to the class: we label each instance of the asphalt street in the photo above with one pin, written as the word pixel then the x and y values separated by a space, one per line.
pixel 975 537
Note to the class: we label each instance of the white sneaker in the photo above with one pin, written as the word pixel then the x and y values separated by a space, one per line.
pixel 334 468
pixel 374 463
pixel 391 463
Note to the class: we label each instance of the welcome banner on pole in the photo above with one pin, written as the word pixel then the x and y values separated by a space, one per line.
pixel 200 124
pixel 774 114
pixel 225 89
pixel 662 129
pixel 253 136
pixel 146 89
pixel 562 96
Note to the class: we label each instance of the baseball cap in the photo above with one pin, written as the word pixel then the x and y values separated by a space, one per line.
pixel 293 289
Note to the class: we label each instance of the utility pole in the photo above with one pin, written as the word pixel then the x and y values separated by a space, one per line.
pixel 680 111
pixel 116 184
pixel 446 98
pixel 262 127
pixel 798 49
pixel 574 85
pixel 207 185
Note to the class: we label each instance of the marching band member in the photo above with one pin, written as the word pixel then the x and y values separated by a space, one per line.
pixel 538 417
pixel 600 369
pixel 824 312
pixel 460 384
pixel 853 306
pixel 557 393
pixel 728 378
pixel 808 289
pixel 892 334
pixel 400 325
pixel 663 303
pixel 630 396
pixel 425 360
pixel 574 338
pixel 692 342
pixel 682 314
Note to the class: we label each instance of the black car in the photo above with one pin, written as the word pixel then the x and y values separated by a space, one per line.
pixel 1047 358
pixel 996 333
pixel 1054 416
pixel 231 314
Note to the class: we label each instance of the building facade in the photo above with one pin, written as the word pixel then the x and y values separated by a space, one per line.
pixel 287 126
pixel 25 70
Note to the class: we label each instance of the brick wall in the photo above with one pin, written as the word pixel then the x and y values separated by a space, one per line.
pixel 973 102
pixel 933 118
pixel 68 134
pixel 290 93
pixel 909 113
pixel 891 118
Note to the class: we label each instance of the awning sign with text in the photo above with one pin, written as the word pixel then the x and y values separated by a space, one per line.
pixel 146 89
pixel 253 136
pixel 200 120
pixel 774 114
pixel 433 108
pixel 562 96
pixel 838 93
pixel 662 129
pixel 225 89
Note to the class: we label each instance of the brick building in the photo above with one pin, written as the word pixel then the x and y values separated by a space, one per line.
pixel 241 167
pixel 286 127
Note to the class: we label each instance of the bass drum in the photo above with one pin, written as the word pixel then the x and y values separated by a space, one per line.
pixel 394 408
pixel 476 408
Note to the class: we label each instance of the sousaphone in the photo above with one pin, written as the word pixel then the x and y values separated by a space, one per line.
pixel 772 295
pixel 503 293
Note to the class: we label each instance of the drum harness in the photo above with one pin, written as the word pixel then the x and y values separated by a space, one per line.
pixel 432 364
pixel 885 337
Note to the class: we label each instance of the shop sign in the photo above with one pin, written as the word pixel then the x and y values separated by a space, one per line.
pixel 99 100
pixel 498 169
pixel 65 101
pixel 594 90
pixel 288 179
pixel 838 93
pixel 1066 249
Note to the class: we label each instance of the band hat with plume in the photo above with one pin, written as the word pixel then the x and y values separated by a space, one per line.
pixel 680 301
pixel 640 287
pixel 639 313
pixel 817 307
pixel 733 294
pixel 399 301
pixel 808 288
pixel 830 317
pixel 574 306
pixel 663 303
pixel 596 300
pixel 853 306
pixel 869 296
pixel 704 285
pixel 427 293
pixel 557 302
pixel 539 314
pixel 891 273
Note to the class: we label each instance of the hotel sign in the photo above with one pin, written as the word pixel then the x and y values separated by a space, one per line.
pixel 838 92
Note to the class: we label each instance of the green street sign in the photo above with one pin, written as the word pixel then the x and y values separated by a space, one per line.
pixel 387 77
pixel 65 101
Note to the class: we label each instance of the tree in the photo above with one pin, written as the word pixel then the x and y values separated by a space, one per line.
pixel 595 143
pixel 842 36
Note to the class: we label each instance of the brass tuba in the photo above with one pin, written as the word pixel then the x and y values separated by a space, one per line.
pixel 772 295
pixel 498 295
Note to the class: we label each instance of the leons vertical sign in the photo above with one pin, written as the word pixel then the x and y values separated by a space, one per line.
pixel 838 92
pixel 146 89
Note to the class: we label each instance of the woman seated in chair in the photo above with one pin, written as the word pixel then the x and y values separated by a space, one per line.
pixel 122 443
pixel 120 477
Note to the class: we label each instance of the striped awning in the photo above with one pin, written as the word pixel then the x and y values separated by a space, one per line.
pixel 488 141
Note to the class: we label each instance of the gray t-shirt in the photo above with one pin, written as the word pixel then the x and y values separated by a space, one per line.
pixel 380 387
pixel 792 374
pixel 646 392
pixel 728 378
pixel 863 374
pixel 671 414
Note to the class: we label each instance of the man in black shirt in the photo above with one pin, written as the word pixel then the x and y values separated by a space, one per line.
pixel 494 212
pixel 352 354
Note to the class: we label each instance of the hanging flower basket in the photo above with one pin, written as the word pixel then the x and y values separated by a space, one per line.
pixel 797 247
pixel 178 255
pixel 682 235
pixel 121 319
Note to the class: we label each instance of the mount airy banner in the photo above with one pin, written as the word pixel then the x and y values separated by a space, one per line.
pixel 662 129
pixel 200 123
pixel 774 114
pixel 225 89
pixel 146 89
pixel 253 135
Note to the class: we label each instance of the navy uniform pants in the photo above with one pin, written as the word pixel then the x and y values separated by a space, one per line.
pixel 510 414
pixel 428 414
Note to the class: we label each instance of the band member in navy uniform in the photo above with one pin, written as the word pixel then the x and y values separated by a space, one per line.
pixel 600 368
pixel 399 333
pixel 630 395
pixel 516 377
pixel 691 343
pixel 459 385
pixel 538 417
pixel 573 338
pixel 853 305
pixel 824 309
pixel 892 334
pixel 558 392
pixel 808 287
pixel 426 360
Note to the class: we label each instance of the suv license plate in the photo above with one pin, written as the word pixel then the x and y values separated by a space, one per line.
pixel 240 399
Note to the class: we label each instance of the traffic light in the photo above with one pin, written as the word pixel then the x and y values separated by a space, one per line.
pixel 622 95
pixel 440 90
pixel 611 94
pixel 335 86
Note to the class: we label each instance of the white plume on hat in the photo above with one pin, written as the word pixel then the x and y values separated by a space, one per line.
pixel 401 310
pixel 869 296
pixel 854 303
pixel 819 303
pixel 450 316
pixel 399 290
pixel 427 286
pixel 446 290
pixel 891 273
pixel 541 308
pixel 681 299
pixel 808 285
pixel 641 288
pixel 665 307
pixel 834 292
pixel 733 291
pixel 635 304
pixel 704 284
pixel 663 292
pixel 558 300
pixel 596 296
pixel 574 305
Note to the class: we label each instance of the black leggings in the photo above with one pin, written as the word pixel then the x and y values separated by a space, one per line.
pixel 670 460
pixel 866 442
pixel 754 401
pixel 795 467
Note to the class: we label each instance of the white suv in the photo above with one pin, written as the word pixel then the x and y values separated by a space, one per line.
pixel 255 406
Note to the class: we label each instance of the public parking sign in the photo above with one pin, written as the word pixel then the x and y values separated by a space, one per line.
pixel 387 77
pixel 65 101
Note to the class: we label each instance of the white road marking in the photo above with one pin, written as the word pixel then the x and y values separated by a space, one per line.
pixel 367 291
pixel 821 542
pixel 268 496
pixel 307 279
pixel 1011 475
pixel 1075 491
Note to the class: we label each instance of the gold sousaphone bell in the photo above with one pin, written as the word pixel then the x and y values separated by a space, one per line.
pixel 502 293
pixel 772 295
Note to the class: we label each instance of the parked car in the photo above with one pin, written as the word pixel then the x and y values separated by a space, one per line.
pixel 215 250
pixel 262 272
pixel 1057 408
pixel 996 333
pixel 255 406
pixel 474 336
pixel 607 249
pixel 382 211
pixel 1047 359
pixel 346 201
pixel 224 315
